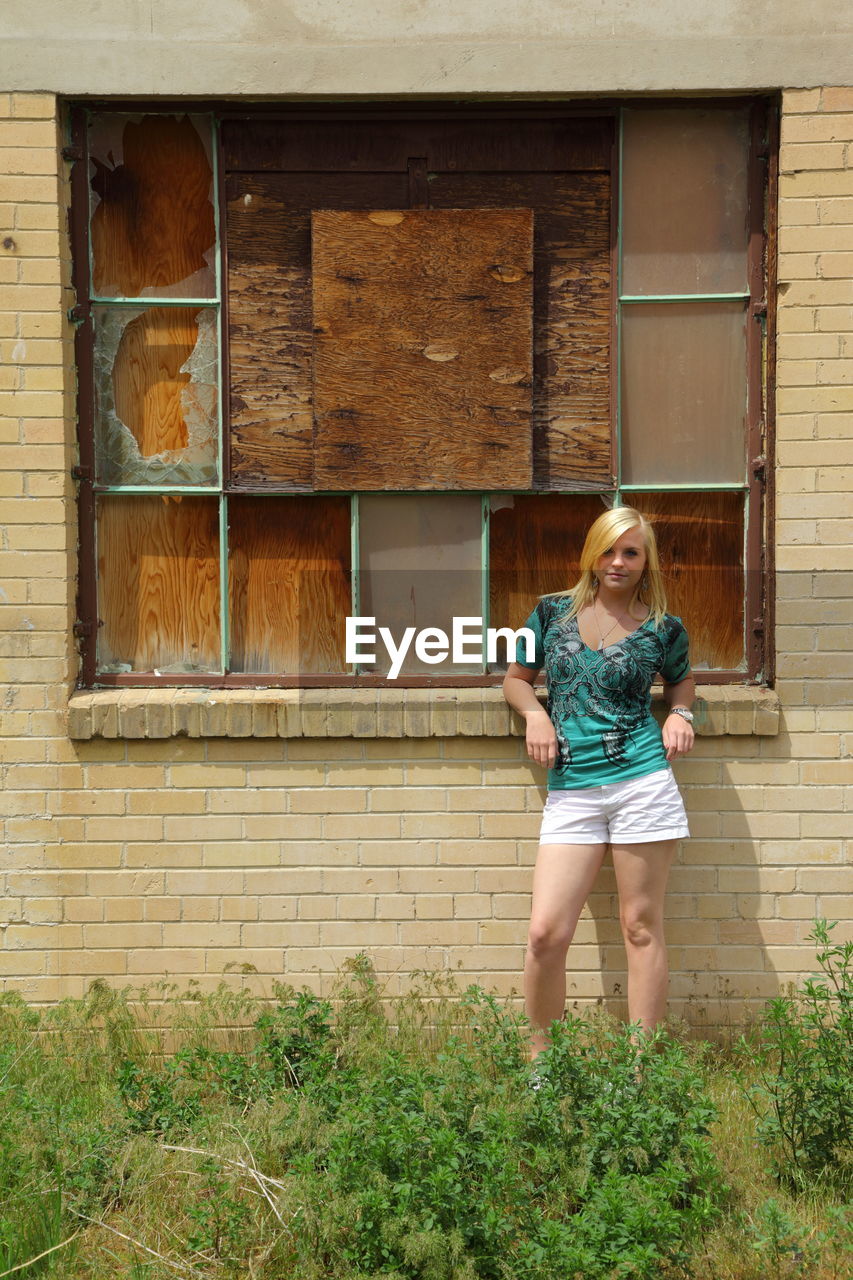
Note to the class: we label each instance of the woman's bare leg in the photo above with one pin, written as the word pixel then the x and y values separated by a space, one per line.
pixel 642 871
pixel 562 880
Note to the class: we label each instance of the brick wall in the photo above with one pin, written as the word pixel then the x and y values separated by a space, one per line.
pixel 132 860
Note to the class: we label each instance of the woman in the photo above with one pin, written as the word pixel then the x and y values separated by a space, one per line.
pixel 610 783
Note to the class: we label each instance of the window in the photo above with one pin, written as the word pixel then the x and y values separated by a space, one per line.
pixel 392 363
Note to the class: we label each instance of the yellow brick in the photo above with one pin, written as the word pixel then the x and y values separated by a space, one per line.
pixel 815 183
pixel 388 749
pixel 797 156
pixel 123 909
pixel 839 209
pixel 805 100
pixel 211 775
pixel 35 161
pixel 439 773
pixel 245 802
pixel 163 908
pixel 276 907
pixel 130 828
pixel 315 908
pixel 33 106
pixel 434 906
pixel 756 825
pixel 229 854
pixel 809 346
pixel 283 881
pixel 837 99
pixel 800 559
pixel 375 774
pixel 447 933
pixel 397 799
pixel 395 906
pixel 440 880
pixel 342 800
pixel 366 826
pixel 360 880
pixel 164 801
pixel 44 937
pixel 356 906
pixel 832 266
pixel 324 749
pixel 476 906
pixel 162 963
pixel 837 127
pixel 280 774
pixel 440 825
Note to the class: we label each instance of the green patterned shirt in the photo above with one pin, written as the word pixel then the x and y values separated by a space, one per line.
pixel 599 701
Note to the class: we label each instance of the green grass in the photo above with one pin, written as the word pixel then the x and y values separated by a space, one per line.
pixel 223 1136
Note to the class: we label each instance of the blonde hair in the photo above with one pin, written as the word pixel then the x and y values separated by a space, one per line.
pixel 601 536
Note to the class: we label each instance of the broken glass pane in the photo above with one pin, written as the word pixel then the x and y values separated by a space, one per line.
pixel 156 378
pixel 153 232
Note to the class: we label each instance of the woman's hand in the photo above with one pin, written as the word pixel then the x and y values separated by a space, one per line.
pixel 677 736
pixel 541 738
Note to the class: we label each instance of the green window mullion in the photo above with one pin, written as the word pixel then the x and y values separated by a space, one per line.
pixel 224 615
pixel 634 298
pixel 191 490
pixel 153 302
pixel 698 486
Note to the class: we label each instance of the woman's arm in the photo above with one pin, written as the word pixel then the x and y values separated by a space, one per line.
pixel 677 733
pixel 541 737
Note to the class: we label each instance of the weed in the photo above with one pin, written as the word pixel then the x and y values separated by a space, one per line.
pixel 803 1099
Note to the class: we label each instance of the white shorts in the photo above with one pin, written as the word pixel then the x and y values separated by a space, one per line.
pixel 632 812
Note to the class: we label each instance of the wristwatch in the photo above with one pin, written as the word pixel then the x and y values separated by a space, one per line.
pixel 684 712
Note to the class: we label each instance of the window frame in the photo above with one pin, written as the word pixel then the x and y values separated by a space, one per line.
pixel 760 363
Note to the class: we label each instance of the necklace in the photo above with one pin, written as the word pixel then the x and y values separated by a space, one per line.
pixel 603 637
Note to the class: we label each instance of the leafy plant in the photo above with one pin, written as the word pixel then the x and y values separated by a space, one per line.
pixel 803 1099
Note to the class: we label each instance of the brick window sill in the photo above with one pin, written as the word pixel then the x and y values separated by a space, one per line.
pixel 364 713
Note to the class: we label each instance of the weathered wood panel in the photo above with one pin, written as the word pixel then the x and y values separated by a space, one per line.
pixel 422 349
pixel 572 308
pixel 153 225
pixel 383 143
pixel 158 584
pixel 535 543
pixel 289 583
pixel 269 295
pixel 701 544
pixel 147 377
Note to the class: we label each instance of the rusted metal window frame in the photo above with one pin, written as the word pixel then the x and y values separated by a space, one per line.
pixel 763 179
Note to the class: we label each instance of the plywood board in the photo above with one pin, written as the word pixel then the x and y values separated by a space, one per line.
pixel 269 312
pixel 422 349
pixel 289 583
pixel 701 544
pixel 573 307
pixel 158 584
pixel 534 548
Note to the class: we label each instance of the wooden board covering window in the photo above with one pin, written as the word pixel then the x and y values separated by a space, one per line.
pixel 572 308
pixel 158 574
pixel 289 583
pixel 422 349
pixel 279 170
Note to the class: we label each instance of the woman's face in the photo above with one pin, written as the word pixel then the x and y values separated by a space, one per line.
pixel 621 566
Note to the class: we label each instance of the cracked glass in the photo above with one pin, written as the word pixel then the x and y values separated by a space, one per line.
pixel 153 227
pixel 156 380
